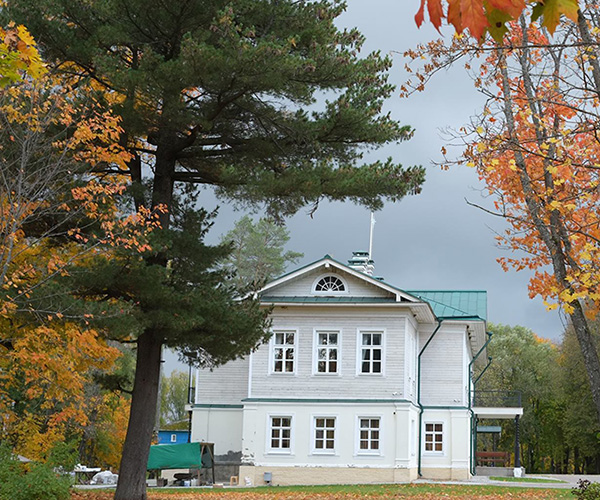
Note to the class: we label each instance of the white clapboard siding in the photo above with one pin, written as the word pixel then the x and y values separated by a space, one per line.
pixel 226 384
pixel 303 286
pixel 442 367
pixel 346 384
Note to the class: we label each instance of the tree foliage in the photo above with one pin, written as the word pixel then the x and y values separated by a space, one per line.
pixel 173 398
pixel 258 253
pixel 19 56
pixel 494 16
pixel 559 428
pixel 269 103
pixel 55 213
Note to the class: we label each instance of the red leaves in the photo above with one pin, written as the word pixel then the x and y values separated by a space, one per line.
pixel 462 14
pixel 481 16
pixel 435 11
pixel 511 7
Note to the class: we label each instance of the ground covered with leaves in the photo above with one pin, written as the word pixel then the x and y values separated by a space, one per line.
pixel 413 491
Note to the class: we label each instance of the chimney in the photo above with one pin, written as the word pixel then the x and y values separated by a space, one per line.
pixel 361 262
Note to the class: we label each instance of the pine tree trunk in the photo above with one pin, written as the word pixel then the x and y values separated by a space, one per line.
pixel 132 473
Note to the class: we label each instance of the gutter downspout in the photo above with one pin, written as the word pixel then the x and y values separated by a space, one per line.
pixel 482 372
pixel 470 406
pixel 420 453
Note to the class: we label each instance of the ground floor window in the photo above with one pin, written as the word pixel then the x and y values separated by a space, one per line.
pixel 434 436
pixel 369 434
pixel 281 433
pixel 324 434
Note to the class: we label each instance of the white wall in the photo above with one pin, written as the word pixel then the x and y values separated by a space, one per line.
pixel 221 426
pixel 347 383
pixel 226 384
pixel 394 439
pixel 443 366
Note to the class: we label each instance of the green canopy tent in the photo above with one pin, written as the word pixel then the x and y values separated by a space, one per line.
pixel 182 456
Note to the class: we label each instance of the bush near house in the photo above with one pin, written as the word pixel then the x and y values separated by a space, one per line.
pixel 30 481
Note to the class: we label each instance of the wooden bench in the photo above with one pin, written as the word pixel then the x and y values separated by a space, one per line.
pixel 493 458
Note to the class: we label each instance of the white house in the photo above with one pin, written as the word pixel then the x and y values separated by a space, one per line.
pixel 361 382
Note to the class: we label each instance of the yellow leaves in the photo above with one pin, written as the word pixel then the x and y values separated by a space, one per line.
pixel 49 366
pixel 18 55
pixel 551 10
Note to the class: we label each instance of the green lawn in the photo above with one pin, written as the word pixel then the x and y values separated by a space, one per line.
pixel 526 479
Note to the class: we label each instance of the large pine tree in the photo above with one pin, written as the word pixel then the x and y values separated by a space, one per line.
pixel 266 100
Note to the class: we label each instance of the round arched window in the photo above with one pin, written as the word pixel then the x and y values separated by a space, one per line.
pixel 330 284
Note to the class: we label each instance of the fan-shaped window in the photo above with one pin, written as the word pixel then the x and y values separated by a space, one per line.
pixel 331 284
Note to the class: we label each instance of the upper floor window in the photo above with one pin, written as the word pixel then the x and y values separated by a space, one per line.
pixel 371 352
pixel 330 284
pixel 327 355
pixel 284 347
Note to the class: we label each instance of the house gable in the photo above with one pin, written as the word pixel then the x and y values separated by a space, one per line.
pixel 327 280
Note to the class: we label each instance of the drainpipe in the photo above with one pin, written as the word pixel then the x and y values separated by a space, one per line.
pixel 419 454
pixel 440 320
pixel 191 400
pixel 482 372
pixel 470 407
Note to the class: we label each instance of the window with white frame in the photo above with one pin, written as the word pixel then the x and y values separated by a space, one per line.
pixel 327 353
pixel 281 433
pixel 371 352
pixel 330 284
pixel 284 348
pixel 369 434
pixel 434 437
pixel 324 428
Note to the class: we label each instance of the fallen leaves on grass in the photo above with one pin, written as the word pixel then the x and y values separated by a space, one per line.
pixel 414 492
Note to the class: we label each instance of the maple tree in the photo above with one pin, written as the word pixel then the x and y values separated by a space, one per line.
pixel 19 56
pixel 218 95
pixel 55 213
pixel 536 147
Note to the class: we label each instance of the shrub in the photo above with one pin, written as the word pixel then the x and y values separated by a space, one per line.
pixel 586 490
pixel 33 481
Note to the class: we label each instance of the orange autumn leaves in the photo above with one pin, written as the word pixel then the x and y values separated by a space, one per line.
pixel 412 491
pixel 482 16
pixel 55 211
pixel 541 166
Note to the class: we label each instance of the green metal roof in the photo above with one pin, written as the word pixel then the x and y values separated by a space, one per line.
pixel 455 303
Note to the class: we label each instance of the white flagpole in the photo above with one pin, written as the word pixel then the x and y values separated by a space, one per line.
pixel 371 236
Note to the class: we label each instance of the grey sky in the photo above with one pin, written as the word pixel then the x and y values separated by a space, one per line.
pixel 433 240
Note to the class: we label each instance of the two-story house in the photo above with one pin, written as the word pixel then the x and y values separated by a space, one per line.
pixel 360 382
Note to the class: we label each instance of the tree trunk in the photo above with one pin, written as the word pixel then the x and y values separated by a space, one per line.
pixel 554 235
pixel 132 473
pixel 589 352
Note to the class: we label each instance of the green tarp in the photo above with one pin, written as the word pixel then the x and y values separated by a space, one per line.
pixel 177 456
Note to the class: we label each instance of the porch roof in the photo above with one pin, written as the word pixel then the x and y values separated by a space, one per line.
pixel 455 303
